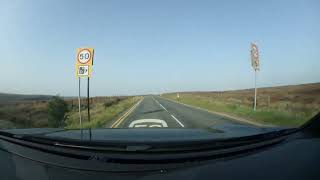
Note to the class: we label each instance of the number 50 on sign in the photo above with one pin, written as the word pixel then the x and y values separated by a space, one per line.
pixel 84 62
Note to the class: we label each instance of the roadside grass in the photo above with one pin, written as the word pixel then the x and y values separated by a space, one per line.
pixel 23 115
pixel 7 124
pixel 34 114
pixel 271 115
pixel 99 114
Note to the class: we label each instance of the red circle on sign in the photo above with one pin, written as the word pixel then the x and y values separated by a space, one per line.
pixel 79 54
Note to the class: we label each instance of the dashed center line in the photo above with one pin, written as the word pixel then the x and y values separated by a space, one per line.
pixel 177 120
pixel 163 107
pixel 169 113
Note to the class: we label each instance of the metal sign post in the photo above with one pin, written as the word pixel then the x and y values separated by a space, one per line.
pixel 255 90
pixel 88 99
pixel 84 64
pixel 88 104
pixel 256 66
pixel 79 101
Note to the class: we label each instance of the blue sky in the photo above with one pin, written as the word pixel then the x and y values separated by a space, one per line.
pixel 149 46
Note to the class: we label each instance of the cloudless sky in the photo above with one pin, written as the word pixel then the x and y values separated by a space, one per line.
pixel 151 46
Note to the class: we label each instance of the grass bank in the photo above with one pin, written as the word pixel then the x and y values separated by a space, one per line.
pixel 100 114
pixel 23 114
pixel 271 116
pixel 34 113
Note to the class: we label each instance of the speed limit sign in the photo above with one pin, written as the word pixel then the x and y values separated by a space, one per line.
pixel 84 62
pixel 84 56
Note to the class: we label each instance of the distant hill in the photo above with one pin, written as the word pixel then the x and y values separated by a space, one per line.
pixel 310 87
pixel 14 98
pixel 303 94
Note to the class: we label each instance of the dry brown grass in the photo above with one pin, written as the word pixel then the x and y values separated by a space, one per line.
pixel 302 98
pixel 33 114
pixel 25 114
pixel 285 105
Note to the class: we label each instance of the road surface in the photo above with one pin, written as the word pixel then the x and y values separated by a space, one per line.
pixel 155 111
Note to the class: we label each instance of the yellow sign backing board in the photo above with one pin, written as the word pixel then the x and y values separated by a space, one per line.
pixel 84 62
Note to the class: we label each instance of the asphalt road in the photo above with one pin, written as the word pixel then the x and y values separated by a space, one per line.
pixel 154 111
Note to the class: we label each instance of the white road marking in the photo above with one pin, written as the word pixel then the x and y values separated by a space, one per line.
pixel 163 107
pixel 160 104
pixel 169 113
pixel 141 125
pixel 177 120
pixel 157 121
pixel 155 125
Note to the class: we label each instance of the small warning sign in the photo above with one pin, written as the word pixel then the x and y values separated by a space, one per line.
pixel 83 70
